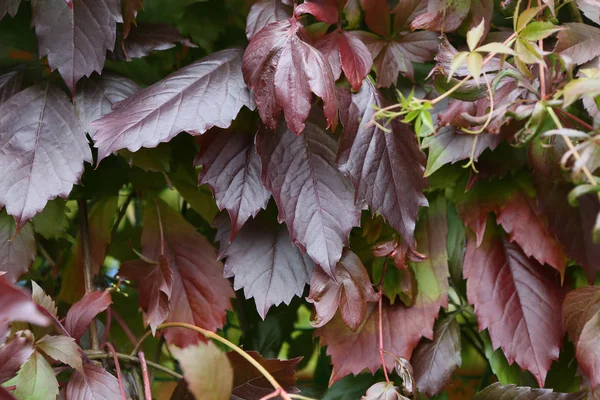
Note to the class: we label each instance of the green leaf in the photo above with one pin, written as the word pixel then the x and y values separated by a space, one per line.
pixel 457 61
pixel 577 88
pixel 36 380
pixel 156 159
pixel 525 17
pixel 200 198
pixel 52 222
pixel 538 30
pixel 505 372
pixel 474 35
pixel 474 62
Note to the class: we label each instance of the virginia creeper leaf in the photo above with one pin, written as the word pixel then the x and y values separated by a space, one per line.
pixel 405 12
pixel 249 384
pixel 383 391
pixel 206 369
pixel 345 52
pixel 76 37
pixel 17 250
pixel 36 379
pixel 499 392
pixel 96 97
pixel 199 295
pixel 52 222
pixel 386 168
pixel 14 354
pixel 95 383
pixel 314 199
pixel 80 314
pixel 350 292
pixel 322 10
pixel 209 92
pixel 264 262
pixel 502 280
pixel 43 150
pixel 130 10
pixel 10 83
pixel 435 361
pixel 590 8
pixel 284 70
pixel 147 38
pixel 9 7
pixel 17 306
pixel 578 42
pixel 377 16
pixel 231 168
pixel 61 348
pixel 442 15
pixel 263 12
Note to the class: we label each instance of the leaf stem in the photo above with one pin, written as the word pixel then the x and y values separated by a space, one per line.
pixel 147 390
pixel 111 349
pixel 88 273
pixel 122 212
pixel 130 335
pixel 380 320
pixel 99 355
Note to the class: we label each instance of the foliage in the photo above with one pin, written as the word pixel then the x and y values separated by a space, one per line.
pixel 335 199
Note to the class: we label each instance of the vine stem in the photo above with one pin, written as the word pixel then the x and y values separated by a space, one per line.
pixel 130 335
pixel 213 336
pixel 570 145
pixel 147 390
pixel 99 355
pixel 380 321
pixel 118 367
pixel 88 273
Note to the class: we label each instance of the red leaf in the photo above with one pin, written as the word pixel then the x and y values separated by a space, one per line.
pixel 264 262
pixel 207 93
pixel 147 38
pixel 435 361
pixel 405 12
pixel 442 15
pixel 520 218
pixel 10 83
pixel 283 71
pixel 95 384
pixel 9 7
pixel 499 392
pixel 44 147
pixel 322 10
pixel 263 12
pixel 581 318
pixel 199 295
pixel 14 354
pixel 502 281
pixel 130 10
pixel 375 160
pixel 155 288
pixel 231 168
pixel 80 314
pixel 17 250
pixel 350 292
pixel 314 199
pixel 248 382
pixel 75 38
pixel 346 52
pixel 17 306
pixel 4 395
pixel 578 41
pixel 377 16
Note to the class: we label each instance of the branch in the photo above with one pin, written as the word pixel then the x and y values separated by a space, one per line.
pixel 88 273
pixel 100 355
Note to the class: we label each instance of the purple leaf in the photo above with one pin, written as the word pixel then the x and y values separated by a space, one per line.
pixel 499 392
pixel 283 70
pixel 442 15
pixel 207 93
pixel 81 313
pixel 76 37
pixel 231 168
pixel 17 306
pixel 4 395
pixel 95 383
pixel 17 251
pixel 579 42
pixel 10 84
pixel 9 7
pixel 314 199
pixel 263 12
pixel 386 168
pixel 14 354
pixel 43 150
pixel 263 261
pixel 323 10
pixel 147 38
pixel 96 97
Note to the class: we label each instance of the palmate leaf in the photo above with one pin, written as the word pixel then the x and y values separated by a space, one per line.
pixel 386 168
pixel 314 199
pixel 263 12
pixel 263 261
pixel 43 150
pixel 76 36
pixel 231 168
pixel 323 10
pixel 94 383
pixel 36 379
pixel 283 71
pixel 199 295
pixel 512 392
pixel 61 348
pixel 442 15
pixel 207 93
pixel 503 281
pixel 17 251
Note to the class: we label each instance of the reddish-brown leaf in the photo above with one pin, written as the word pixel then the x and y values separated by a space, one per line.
pixel 9 7
pixel 264 262
pixel 442 15
pixel 147 38
pixel 323 10
pixel 405 12
pixel 250 384
pixel 130 10
pixel 263 12
pixel 386 168
pixel 314 199
pixel 283 70
pixel 199 295
pixel 499 392
pixel 17 305
pixel 515 297
pixel 350 292
pixel 81 313
pixel 17 253
pixel 231 168
pixel 14 354
pixel 346 52
pixel 377 16
pixel 578 41
pixel 95 383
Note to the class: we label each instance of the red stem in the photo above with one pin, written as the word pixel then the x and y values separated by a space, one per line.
pixel 118 368
pixel 130 335
pixel 147 390
pixel 54 319
pixel 271 395
pixel 574 118
pixel 107 327
pixel 380 321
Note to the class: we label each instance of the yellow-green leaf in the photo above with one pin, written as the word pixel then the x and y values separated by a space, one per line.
pixel 539 30
pixel 474 62
pixel 36 380
pixel 495 47
pixel 474 35
pixel 457 61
